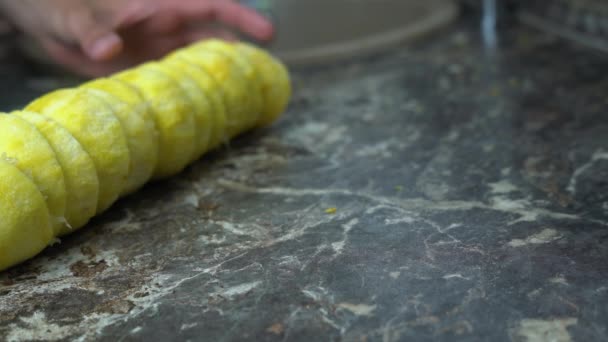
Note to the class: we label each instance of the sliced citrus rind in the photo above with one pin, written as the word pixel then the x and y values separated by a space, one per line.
pixel 24 146
pixel 173 114
pixel 274 80
pixel 98 131
pixel 209 88
pixel 25 227
pixel 73 152
pixel 138 125
pixel 81 182
pixel 246 67
pixel 232 83
pixel 202 106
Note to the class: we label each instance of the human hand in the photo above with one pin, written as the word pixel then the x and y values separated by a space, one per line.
pixel 98 37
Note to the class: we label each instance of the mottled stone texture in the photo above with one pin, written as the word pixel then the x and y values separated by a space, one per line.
pixel 471 205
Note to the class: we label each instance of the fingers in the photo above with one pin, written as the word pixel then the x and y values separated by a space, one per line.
pixel 98 39
pixel 227 12
pixel 197 34
pixel 113 35
pixel 76 61
pixel 242 18
pixel 132 13
pixel 169 22
pixel 141 49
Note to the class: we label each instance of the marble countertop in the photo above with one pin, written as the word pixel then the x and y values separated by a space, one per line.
pixel 469 188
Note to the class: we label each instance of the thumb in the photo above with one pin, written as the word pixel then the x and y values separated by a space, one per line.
pixel 98 40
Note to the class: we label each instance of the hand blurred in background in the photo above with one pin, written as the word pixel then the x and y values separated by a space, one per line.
pixel 98 37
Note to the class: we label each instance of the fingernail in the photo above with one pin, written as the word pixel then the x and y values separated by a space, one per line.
pixel 106 47
pixel 263 28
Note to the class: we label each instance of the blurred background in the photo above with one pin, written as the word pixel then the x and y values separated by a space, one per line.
pixel 320 31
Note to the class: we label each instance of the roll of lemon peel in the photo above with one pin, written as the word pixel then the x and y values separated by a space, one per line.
pixel 70 154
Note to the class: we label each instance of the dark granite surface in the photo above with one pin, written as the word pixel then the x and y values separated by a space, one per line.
pixel 470 195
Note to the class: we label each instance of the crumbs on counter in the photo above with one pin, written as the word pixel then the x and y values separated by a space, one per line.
pixel 331 210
